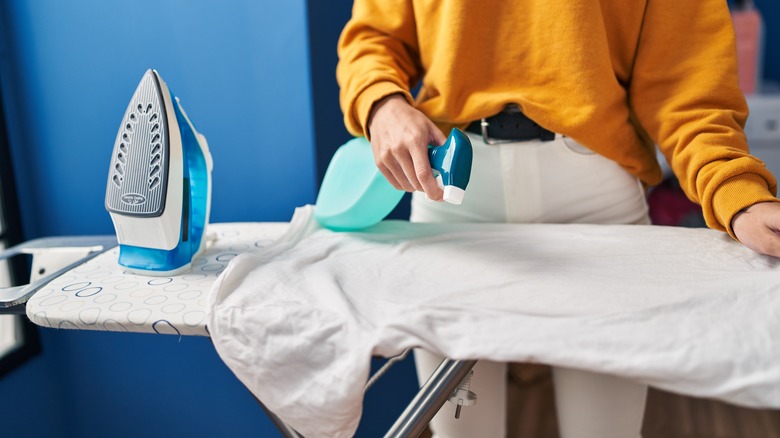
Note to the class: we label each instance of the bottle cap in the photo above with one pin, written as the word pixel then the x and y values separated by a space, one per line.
pixel 454 194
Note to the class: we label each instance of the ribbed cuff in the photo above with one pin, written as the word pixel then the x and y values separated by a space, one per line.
pixel 734 195
pixel 371 95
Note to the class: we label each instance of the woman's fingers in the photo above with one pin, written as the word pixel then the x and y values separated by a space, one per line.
pixel 758 228
pixel 400 135
pixel 421 167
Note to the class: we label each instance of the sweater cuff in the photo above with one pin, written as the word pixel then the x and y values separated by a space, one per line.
pixel 371 95
pixel 736 194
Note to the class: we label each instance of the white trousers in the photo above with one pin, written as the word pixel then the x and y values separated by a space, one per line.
pixel 559 181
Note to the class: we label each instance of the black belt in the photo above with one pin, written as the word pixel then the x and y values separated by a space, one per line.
pixel 509 125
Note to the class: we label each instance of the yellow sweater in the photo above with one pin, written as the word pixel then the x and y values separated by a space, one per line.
pixel 615 75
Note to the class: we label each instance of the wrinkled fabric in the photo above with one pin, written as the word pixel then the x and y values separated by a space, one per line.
pixel 686 310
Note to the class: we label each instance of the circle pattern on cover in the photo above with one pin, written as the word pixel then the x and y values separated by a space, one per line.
pixel 100 295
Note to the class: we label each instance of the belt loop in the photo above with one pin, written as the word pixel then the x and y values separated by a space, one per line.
pixel 486 138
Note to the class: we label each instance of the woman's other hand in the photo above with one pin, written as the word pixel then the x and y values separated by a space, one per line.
pixel 758 227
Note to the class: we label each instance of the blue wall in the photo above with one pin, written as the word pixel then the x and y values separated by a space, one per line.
pixel 241 70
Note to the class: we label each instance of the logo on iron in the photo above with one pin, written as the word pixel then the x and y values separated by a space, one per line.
pixel 133 199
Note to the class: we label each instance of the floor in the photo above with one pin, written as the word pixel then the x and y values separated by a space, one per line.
pixel 667 415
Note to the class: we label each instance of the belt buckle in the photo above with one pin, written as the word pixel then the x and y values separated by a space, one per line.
pixel 487 139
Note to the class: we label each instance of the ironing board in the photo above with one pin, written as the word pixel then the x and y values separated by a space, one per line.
pixel 695 325
pixel 77 284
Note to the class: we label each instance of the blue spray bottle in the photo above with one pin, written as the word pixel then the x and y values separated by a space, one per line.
pixel 354 195
pixel 451 165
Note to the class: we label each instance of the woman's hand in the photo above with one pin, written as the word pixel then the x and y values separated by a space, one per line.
pixel 400 135
pixel 758 227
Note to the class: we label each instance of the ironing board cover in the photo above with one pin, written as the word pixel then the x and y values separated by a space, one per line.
pixel 99 295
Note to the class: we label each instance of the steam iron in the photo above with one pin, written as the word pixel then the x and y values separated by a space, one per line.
pixel 159 183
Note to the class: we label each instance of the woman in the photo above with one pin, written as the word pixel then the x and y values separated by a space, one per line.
pixel 575 94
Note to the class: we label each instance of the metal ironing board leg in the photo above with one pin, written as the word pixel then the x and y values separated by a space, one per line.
pixel 420 411
pixel 430 398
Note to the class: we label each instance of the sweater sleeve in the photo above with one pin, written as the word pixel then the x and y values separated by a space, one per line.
pixel 685 94
pixel 378 56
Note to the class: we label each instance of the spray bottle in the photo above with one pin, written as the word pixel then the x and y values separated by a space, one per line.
pixel 354 195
